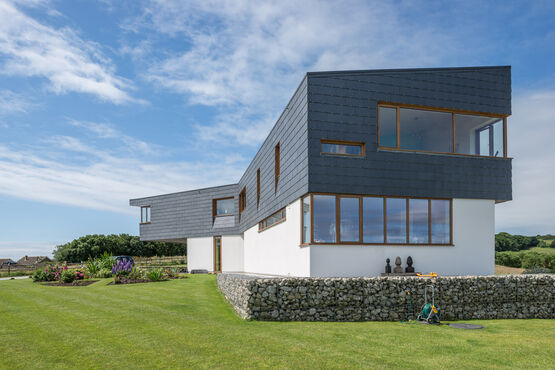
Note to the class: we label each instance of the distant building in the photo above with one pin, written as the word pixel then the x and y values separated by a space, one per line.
pixel 6 261
pixel 33 260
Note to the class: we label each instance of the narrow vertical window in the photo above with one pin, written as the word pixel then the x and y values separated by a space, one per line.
pixel 257 188
pixel 145 214
pixel 396 227
pixel 349 226
pixel 306 220
pixel 388 127
pixel 242 201
pixel 440 221
pixel 324 218
pixel 372 220
pixel 418 221
pixel 277 164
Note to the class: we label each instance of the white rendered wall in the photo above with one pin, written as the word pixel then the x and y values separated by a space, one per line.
pixel 276 251
pixel 200 254
pixel 232 253
pixel 473 252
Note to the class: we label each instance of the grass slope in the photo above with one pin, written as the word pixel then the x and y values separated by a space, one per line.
pixel 188 323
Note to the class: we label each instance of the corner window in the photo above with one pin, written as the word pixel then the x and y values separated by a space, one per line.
pixel 324 220
pixel 145 214
pixel 222 207
pixel 272 220
pixel 305 220
pixel 445 131
pixel 346 148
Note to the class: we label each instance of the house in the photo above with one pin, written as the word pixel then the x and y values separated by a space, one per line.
pixel 361 166
pixel 33 260
pixel 6 261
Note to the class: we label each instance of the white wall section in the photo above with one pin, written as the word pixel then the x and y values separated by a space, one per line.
pixel 232 253
pixel 200 254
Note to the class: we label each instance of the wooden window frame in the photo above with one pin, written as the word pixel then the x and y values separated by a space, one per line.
pixel 148 215
pixel 214 253
pixel 338 196
pixel 453 112
pixel 277 164
pixel 257 188
pixel 242 201
pixel 214 208
pixel 343 142
pixel 262 227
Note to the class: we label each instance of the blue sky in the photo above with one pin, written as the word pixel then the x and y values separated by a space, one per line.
pixel 102 101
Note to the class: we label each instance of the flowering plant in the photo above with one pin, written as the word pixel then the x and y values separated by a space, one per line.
pixel 122 267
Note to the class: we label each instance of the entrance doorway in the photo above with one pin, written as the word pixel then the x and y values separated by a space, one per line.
pixel 217 253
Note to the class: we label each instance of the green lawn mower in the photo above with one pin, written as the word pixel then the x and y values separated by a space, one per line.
pixel 430 312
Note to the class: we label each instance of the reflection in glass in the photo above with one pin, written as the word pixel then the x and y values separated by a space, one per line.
pixel 441 233
pixel 306 219
pixel 372 218
pixel 349 217
pixel 345 149
pixel 418 221
pixel 426 130
pixel 324 218
pixel 224 207
pixel 388 127
pixel 396 210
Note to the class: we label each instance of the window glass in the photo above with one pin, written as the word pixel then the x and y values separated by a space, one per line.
pixel 396 210
pixel 426 130
pixel 145 214
pixel 418 221
pixel 349 219
pixel 479 135
pixel 272 220
pixel 440 221
pixel 224 207
pixel 324 218
pixel 342 149
pixel 498 139
pixel 306 219
pixel 388 127
pixel 372 218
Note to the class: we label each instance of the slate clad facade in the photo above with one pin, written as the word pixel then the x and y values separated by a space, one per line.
pixel 344 106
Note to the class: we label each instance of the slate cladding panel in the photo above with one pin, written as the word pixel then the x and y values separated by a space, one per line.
pixel 343 106
pixel 185 214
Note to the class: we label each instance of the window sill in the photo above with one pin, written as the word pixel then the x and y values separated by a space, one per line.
pixel 388 149
pixel 145 223
pixel 356 244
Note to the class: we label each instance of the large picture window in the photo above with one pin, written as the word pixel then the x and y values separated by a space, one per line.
pixel 444 131
pixel 346 219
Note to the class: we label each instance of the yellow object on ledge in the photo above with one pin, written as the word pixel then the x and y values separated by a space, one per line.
pixel 431 274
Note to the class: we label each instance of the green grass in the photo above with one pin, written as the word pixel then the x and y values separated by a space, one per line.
pixel 188 323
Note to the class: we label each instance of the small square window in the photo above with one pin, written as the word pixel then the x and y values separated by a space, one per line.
pixel 145 214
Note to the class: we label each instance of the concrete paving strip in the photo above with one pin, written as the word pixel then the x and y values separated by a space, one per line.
pixel 14 277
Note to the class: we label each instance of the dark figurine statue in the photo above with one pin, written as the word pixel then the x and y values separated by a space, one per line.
pixel 387 267
pixel 398 269
pixel 409 267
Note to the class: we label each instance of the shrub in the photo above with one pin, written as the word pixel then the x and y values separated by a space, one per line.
pixel 537 270
pixel 103 273
pixel 68 276
pixel 93 266
pixel 156 275
pixel 171 272
pixel 510 259
pixel 39 275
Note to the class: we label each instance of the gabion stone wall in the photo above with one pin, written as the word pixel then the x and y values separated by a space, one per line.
pixel 386 298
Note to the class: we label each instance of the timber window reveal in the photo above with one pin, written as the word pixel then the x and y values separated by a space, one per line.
pixel 359 219
pixel 145 214
pixel 242 201
pixel 222 207
pixel 272 220
pixel 446 131
pixel 257 188
pixel 346 148
pixel 277 165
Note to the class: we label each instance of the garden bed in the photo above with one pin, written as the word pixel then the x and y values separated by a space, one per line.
pixel 139 281
pixel 75 283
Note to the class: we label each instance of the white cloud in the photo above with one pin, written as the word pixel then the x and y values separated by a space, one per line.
pixel 11 102
pixel 246 58
pixel 64 170
pixel 59 55
pixel 530 142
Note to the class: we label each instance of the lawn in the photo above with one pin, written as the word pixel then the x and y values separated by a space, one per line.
pixel 188 323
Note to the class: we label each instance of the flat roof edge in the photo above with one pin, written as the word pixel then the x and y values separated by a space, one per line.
pixel 183 192
pixel 389 70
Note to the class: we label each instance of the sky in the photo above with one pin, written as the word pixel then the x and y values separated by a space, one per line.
pixel 103 101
